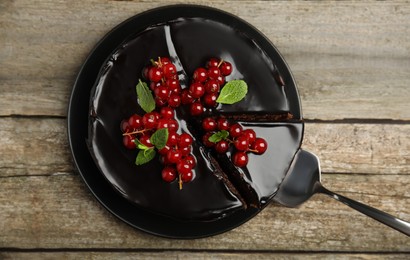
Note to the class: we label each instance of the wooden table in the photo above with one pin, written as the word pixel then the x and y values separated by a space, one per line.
pixel 352 65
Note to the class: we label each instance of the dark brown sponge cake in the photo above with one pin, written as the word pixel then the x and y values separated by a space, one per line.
pixel 218 189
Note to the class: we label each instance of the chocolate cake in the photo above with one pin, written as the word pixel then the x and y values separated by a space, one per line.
pixel 219 187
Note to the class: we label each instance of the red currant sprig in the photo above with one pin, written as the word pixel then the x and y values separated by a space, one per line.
pixel 163 77
pixel 140 132
pixel 221 135
pixel 207 82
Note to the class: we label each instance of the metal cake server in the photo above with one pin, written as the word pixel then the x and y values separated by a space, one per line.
pixel 303 181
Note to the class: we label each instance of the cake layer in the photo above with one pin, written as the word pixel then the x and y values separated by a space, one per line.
pixel 189 43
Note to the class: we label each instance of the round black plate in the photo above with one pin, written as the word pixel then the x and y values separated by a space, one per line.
pixel 78 122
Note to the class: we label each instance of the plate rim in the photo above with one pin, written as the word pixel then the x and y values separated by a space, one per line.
pixel 216 227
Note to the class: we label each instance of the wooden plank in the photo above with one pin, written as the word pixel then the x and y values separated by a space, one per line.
pixel 360 148
pixel 59 212
pixel 194 255
pixel 32 146
pixel 48 97
pixel 350 60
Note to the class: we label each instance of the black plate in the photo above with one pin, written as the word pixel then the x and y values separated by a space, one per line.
pixel 78 122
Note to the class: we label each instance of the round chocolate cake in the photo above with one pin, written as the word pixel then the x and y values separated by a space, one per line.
pixel 219 188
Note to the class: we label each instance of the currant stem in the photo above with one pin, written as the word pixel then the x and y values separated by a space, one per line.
pixel 135 132
pixel 229 140
pixel 220 63
pixel 180 181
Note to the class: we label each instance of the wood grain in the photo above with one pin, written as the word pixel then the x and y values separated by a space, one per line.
pixel 351 60
pixel 195 255
pixel 59 212
pixel 33 146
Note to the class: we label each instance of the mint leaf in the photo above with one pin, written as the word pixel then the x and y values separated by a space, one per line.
pixel 140 145
pixel 145 156
pixel 145 97
pixel 218 136
pixel 159 138
pixel 233 91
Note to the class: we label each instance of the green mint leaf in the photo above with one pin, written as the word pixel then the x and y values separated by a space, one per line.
pixel 233 91
pixel 159 138
pixel 218 136
pixel 145 156
pixel 145 97
pixel 140 145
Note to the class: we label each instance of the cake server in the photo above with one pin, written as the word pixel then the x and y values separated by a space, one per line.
pixel 304 180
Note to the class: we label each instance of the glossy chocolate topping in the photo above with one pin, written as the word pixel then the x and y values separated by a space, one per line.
pixel 189 43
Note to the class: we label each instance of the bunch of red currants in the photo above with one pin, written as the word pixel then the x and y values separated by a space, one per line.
pixel 202 93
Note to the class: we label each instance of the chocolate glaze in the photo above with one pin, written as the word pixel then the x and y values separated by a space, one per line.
pixel 190 42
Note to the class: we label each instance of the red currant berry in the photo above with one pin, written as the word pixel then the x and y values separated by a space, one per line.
pixel 250 134
pixel 184 140
pixel 163 159
pixel 154 85
pixel 145 140
pixel 149 120
pixel 187 177
pixel 183 167
pixel 222 123
pixel 174 100
pixel 164 150
pixel 172 139
pixel 200 75
pixel 161 92
pixel 222 146
pixel 210 99
pixel 174 155
pixel 241 143
pixel 186 97
pixel 135 122
pixel 128 142
pixel 186 150
pixel 164 60
pixel 191 160
pixel 167 112
pixel 209 124
pixel 125 126
pixel 235 130
pixel 196 108
pixel 196 90
pixel 154 74
pixel 169 70
pixel 213 62
pixel 259 146
pixel 212 86
pixel 156 115
pixel 240 159
pixel 220 80
pixel 173 86
pixel 214 72
pixel 160 102
pixel 163 123
pixel 172 125
pixel 169 174
pixel 205 140
pixel 226 68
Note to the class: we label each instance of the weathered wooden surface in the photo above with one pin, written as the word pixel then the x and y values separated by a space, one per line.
pixel 194 255
pixel 40 146
pixel 58 212
pixel 351 60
